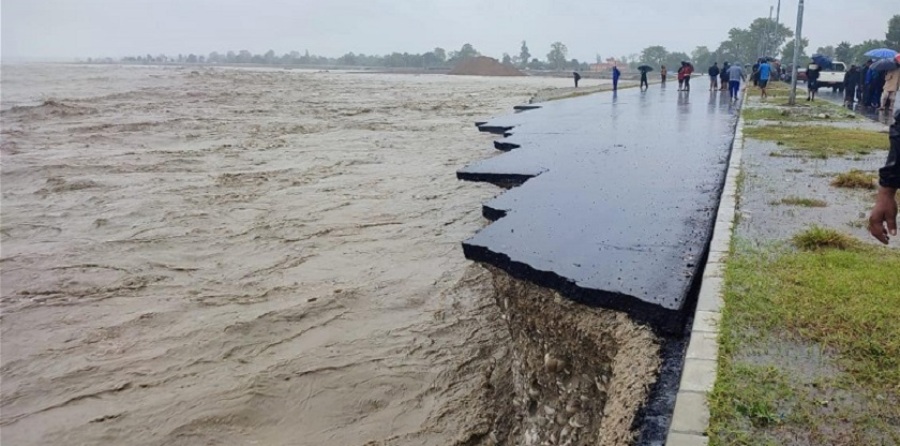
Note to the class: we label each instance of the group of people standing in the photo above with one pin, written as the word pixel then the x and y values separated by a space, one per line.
pixel 871 88
pixel 728 77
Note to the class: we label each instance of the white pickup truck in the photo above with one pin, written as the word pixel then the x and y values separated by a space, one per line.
pixel 833 77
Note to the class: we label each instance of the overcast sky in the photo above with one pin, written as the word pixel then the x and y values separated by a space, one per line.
pixel 90 28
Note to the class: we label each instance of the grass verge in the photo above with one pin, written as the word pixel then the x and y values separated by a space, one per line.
pixel 818 112
pixel 821 142
pixel 809 345
pixel 804 202
pixel 855 179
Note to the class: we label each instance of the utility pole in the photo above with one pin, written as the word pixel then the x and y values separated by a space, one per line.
pixel 765 50
pixel 798 37
pixel 778 15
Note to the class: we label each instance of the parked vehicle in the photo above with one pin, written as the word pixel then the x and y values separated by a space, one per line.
pixel 833 77
pixel 801 75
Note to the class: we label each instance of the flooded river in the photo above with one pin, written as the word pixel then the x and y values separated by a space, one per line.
pixel 196 256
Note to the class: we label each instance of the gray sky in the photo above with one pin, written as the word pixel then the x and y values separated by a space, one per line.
pixel 90 28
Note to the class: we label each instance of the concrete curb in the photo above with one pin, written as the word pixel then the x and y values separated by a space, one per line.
pixel 690 419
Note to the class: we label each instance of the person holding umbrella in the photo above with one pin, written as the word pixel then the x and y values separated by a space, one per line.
pixel 714 76
pixel 644 69
pixel 891 85
pixel 812 81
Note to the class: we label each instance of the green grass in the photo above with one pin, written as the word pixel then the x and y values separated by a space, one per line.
pixel 818 237
pixel 821 142
pixel 855 179
pixel 843 303
pixel 823 112
pixel 804 202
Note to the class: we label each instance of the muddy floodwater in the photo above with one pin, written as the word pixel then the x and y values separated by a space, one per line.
pixel 225 256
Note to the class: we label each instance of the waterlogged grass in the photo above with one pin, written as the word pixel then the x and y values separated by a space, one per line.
pixel 819 112
pixel 817 237
pixel 821 142
pixel 855 179
pixel 840 299
pixel 804 202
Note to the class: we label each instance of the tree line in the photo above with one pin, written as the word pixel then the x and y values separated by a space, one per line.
pixel 435 59
pixel 765 37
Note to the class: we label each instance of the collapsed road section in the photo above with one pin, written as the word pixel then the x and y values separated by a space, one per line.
pixel 615 201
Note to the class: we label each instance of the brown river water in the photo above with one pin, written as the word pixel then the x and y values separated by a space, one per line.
pixel 235 256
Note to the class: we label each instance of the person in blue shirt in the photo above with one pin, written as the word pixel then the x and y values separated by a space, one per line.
pixel 616 73
pixel 764 72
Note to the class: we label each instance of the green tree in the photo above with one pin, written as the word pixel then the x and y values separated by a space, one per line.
pixel 702 56
pixel 557 55
pixel 524 55
pixel 465 52
pixel 858 52
pixel 269 57
pixel 843 53
pixel 892 37
pixel 746 45
pixel 440 55
pixel 673 61
pixel 506 59
pixel 787 54
pixel 828 51
pixel 654 55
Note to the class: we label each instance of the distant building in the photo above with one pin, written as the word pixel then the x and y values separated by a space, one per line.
pixel 608 65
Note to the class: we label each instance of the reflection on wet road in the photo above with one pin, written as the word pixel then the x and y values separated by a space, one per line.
pixel 869 112
pixel 621 200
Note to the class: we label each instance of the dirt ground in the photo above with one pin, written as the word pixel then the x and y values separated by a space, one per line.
pixel 226 256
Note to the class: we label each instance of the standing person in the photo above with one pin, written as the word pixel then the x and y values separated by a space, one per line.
pixel 891 85
pixel 883 219
pixel 878 89
pixel 870 86
pixel 616 73
pixel 714 77
pixel 644 84
pixel 577 78
pixel 862 91
pixel 688 71
pixel 764 71
pixel 723 76
pixel 851 80
pixel 735 76
pixel 681 77
pixel 755 74
pixel 812 81
pixel 663 73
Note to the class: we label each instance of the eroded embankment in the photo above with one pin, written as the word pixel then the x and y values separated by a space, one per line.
pixel 579 375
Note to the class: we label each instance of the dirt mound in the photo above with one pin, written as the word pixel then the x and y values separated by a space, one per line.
pixel 484 66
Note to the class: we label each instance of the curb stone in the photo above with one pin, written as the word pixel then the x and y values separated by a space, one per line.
pixel 690 419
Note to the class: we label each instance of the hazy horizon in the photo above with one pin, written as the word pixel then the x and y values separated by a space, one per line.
pixel 48 30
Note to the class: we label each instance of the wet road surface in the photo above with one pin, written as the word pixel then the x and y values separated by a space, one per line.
pixel 619 197
pixel 869 112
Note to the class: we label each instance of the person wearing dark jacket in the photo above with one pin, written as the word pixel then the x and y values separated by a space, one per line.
pixel 714 76
pixel 851 82
pixel 577 78
pixel 883 220
pixel 723 76
pixel 812 81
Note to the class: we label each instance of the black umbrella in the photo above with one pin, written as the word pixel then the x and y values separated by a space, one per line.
pixel 645 68
pixel 885 65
